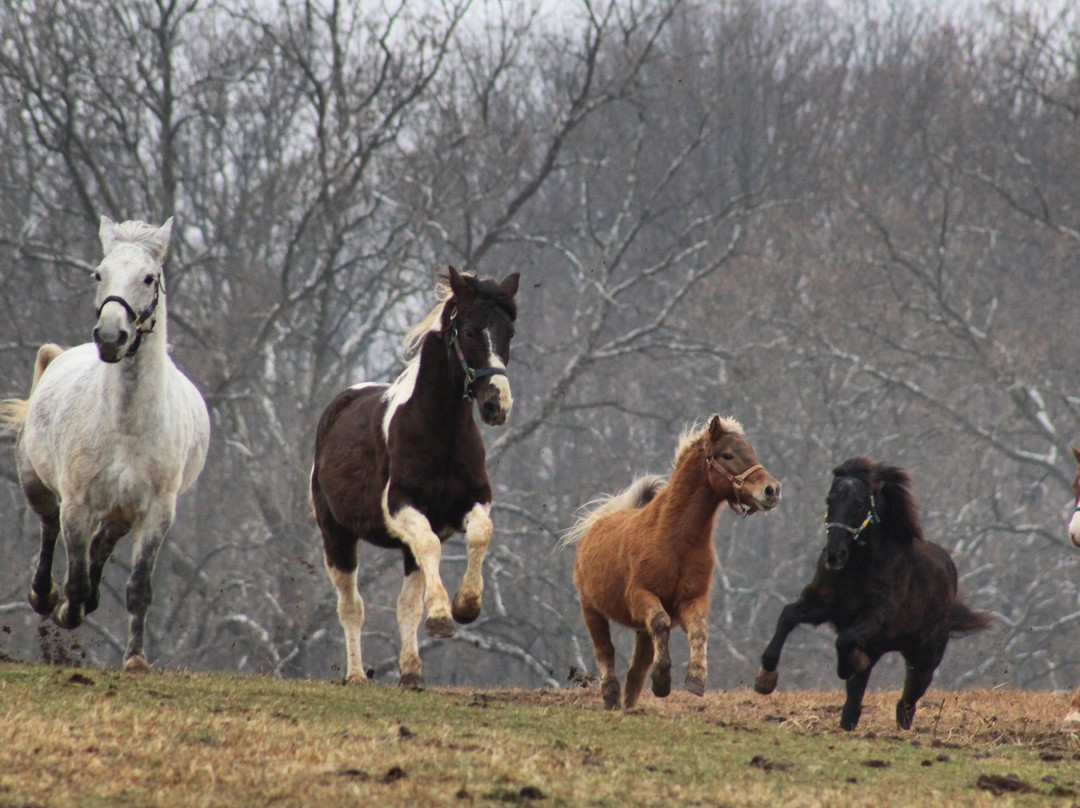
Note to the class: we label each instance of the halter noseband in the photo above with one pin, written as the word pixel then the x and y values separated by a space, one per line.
pixel 872 518
pixel 737 482
pixel 472 375
pixel 138 319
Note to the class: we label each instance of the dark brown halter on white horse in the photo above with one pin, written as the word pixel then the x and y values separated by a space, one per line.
pixel 402 465
pixel 645 556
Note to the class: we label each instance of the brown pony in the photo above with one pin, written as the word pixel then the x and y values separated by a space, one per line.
pixel 645 556
pixel 1072 719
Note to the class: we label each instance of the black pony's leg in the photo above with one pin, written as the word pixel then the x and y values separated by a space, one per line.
pixel 919 675
pixel 856 687
pixel 792 615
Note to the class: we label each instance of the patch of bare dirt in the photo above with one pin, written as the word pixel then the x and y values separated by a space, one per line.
pixel 945 719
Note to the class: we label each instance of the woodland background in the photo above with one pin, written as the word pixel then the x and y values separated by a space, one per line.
pixel 852 225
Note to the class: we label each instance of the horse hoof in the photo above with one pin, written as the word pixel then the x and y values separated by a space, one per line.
pixel 904 715
pixel 765 681
pixel 695 685
pixel 357 678
pixel 411 681
pixel 440 627
pixel 465 609
pixel 137 664
pixel 1071 723
pixel 44 605
pixel 661 683
pixel 66 617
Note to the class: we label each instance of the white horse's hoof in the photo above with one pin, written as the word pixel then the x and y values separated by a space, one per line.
pixel 137 664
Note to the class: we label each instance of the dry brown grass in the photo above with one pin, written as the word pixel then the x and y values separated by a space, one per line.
pixel 88 737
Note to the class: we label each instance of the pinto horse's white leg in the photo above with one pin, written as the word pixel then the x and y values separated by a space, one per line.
pixel 410 610
pixel 350 611
pixel 415 532
pixel 478 530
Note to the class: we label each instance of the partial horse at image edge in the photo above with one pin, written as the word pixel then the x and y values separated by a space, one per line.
pixel 1071 722
pixel 644 557
pixel 111 433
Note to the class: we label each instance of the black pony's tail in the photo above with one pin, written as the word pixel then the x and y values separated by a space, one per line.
pixel 964 620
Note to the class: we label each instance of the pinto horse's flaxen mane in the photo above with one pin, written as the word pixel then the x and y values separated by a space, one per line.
pixel 892 491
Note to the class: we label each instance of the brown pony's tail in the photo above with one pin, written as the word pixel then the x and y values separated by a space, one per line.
pixel 964 621
pixel 638 494
pixel 13 410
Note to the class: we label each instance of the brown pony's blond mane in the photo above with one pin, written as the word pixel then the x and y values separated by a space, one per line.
pixel 693 436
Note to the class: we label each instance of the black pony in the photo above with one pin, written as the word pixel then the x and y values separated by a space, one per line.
pixel 402 465
pixel 881 586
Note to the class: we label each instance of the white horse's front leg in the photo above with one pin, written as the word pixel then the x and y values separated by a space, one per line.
pixel 76 526
pixel 478 530
pixel 415 532
pixel 148 540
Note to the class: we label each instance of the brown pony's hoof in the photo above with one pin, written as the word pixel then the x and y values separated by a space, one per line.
pixel 440 627
pixel 411 681
pixel 609 689
pixel 465 609
pixel 137 664
pixel 661 682
pixel 44 605
pixel 765 681
pixel 695 685
pixel 66 617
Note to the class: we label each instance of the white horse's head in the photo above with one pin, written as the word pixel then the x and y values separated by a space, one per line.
pixel 130 288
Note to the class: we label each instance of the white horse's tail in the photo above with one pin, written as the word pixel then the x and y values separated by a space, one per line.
pixel 13 410
pixel 638 494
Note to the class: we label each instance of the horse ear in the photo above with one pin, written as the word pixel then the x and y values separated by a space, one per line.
pixel 459 284
pixel 160 240
pixel 106 232
pixel 716 428
pixel 509 286
pixel 1076 453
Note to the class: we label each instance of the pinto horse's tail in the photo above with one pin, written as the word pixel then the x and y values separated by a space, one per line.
pixel 638 494
pixel 13 410
pixel 964 620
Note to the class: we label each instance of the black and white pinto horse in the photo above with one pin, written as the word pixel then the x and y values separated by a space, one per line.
pixel 402 465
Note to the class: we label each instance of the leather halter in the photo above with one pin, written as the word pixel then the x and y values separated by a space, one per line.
pixel 737 482
pixel 138 319
pixel 472 375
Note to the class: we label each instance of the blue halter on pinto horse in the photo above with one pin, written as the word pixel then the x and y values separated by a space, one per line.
pixel 645 556
pixel 881 585
pixel 402 466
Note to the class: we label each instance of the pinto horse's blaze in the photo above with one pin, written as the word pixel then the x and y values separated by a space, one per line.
pixel 881 586
pixel 401 466
pixel 645 556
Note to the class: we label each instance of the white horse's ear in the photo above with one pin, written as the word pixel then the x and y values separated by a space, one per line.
pixel 106 232
pixel 160 240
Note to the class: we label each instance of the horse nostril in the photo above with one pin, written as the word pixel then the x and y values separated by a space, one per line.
pixel 770 491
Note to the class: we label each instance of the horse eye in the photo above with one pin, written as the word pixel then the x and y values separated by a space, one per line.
pixel 97 276
pixel 148 280
pixel 727 456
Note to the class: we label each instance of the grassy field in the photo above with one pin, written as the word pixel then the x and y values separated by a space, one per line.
pixel 89 737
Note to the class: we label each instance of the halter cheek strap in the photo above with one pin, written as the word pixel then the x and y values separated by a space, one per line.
pixel 138 319
pixel 472 375
pixel 872 518
pixel 737 482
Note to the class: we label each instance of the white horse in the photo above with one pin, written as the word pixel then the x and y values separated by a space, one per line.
pixel 111 434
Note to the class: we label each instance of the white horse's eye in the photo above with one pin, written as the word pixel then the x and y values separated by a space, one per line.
pixel 148 280
pixel 97 276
